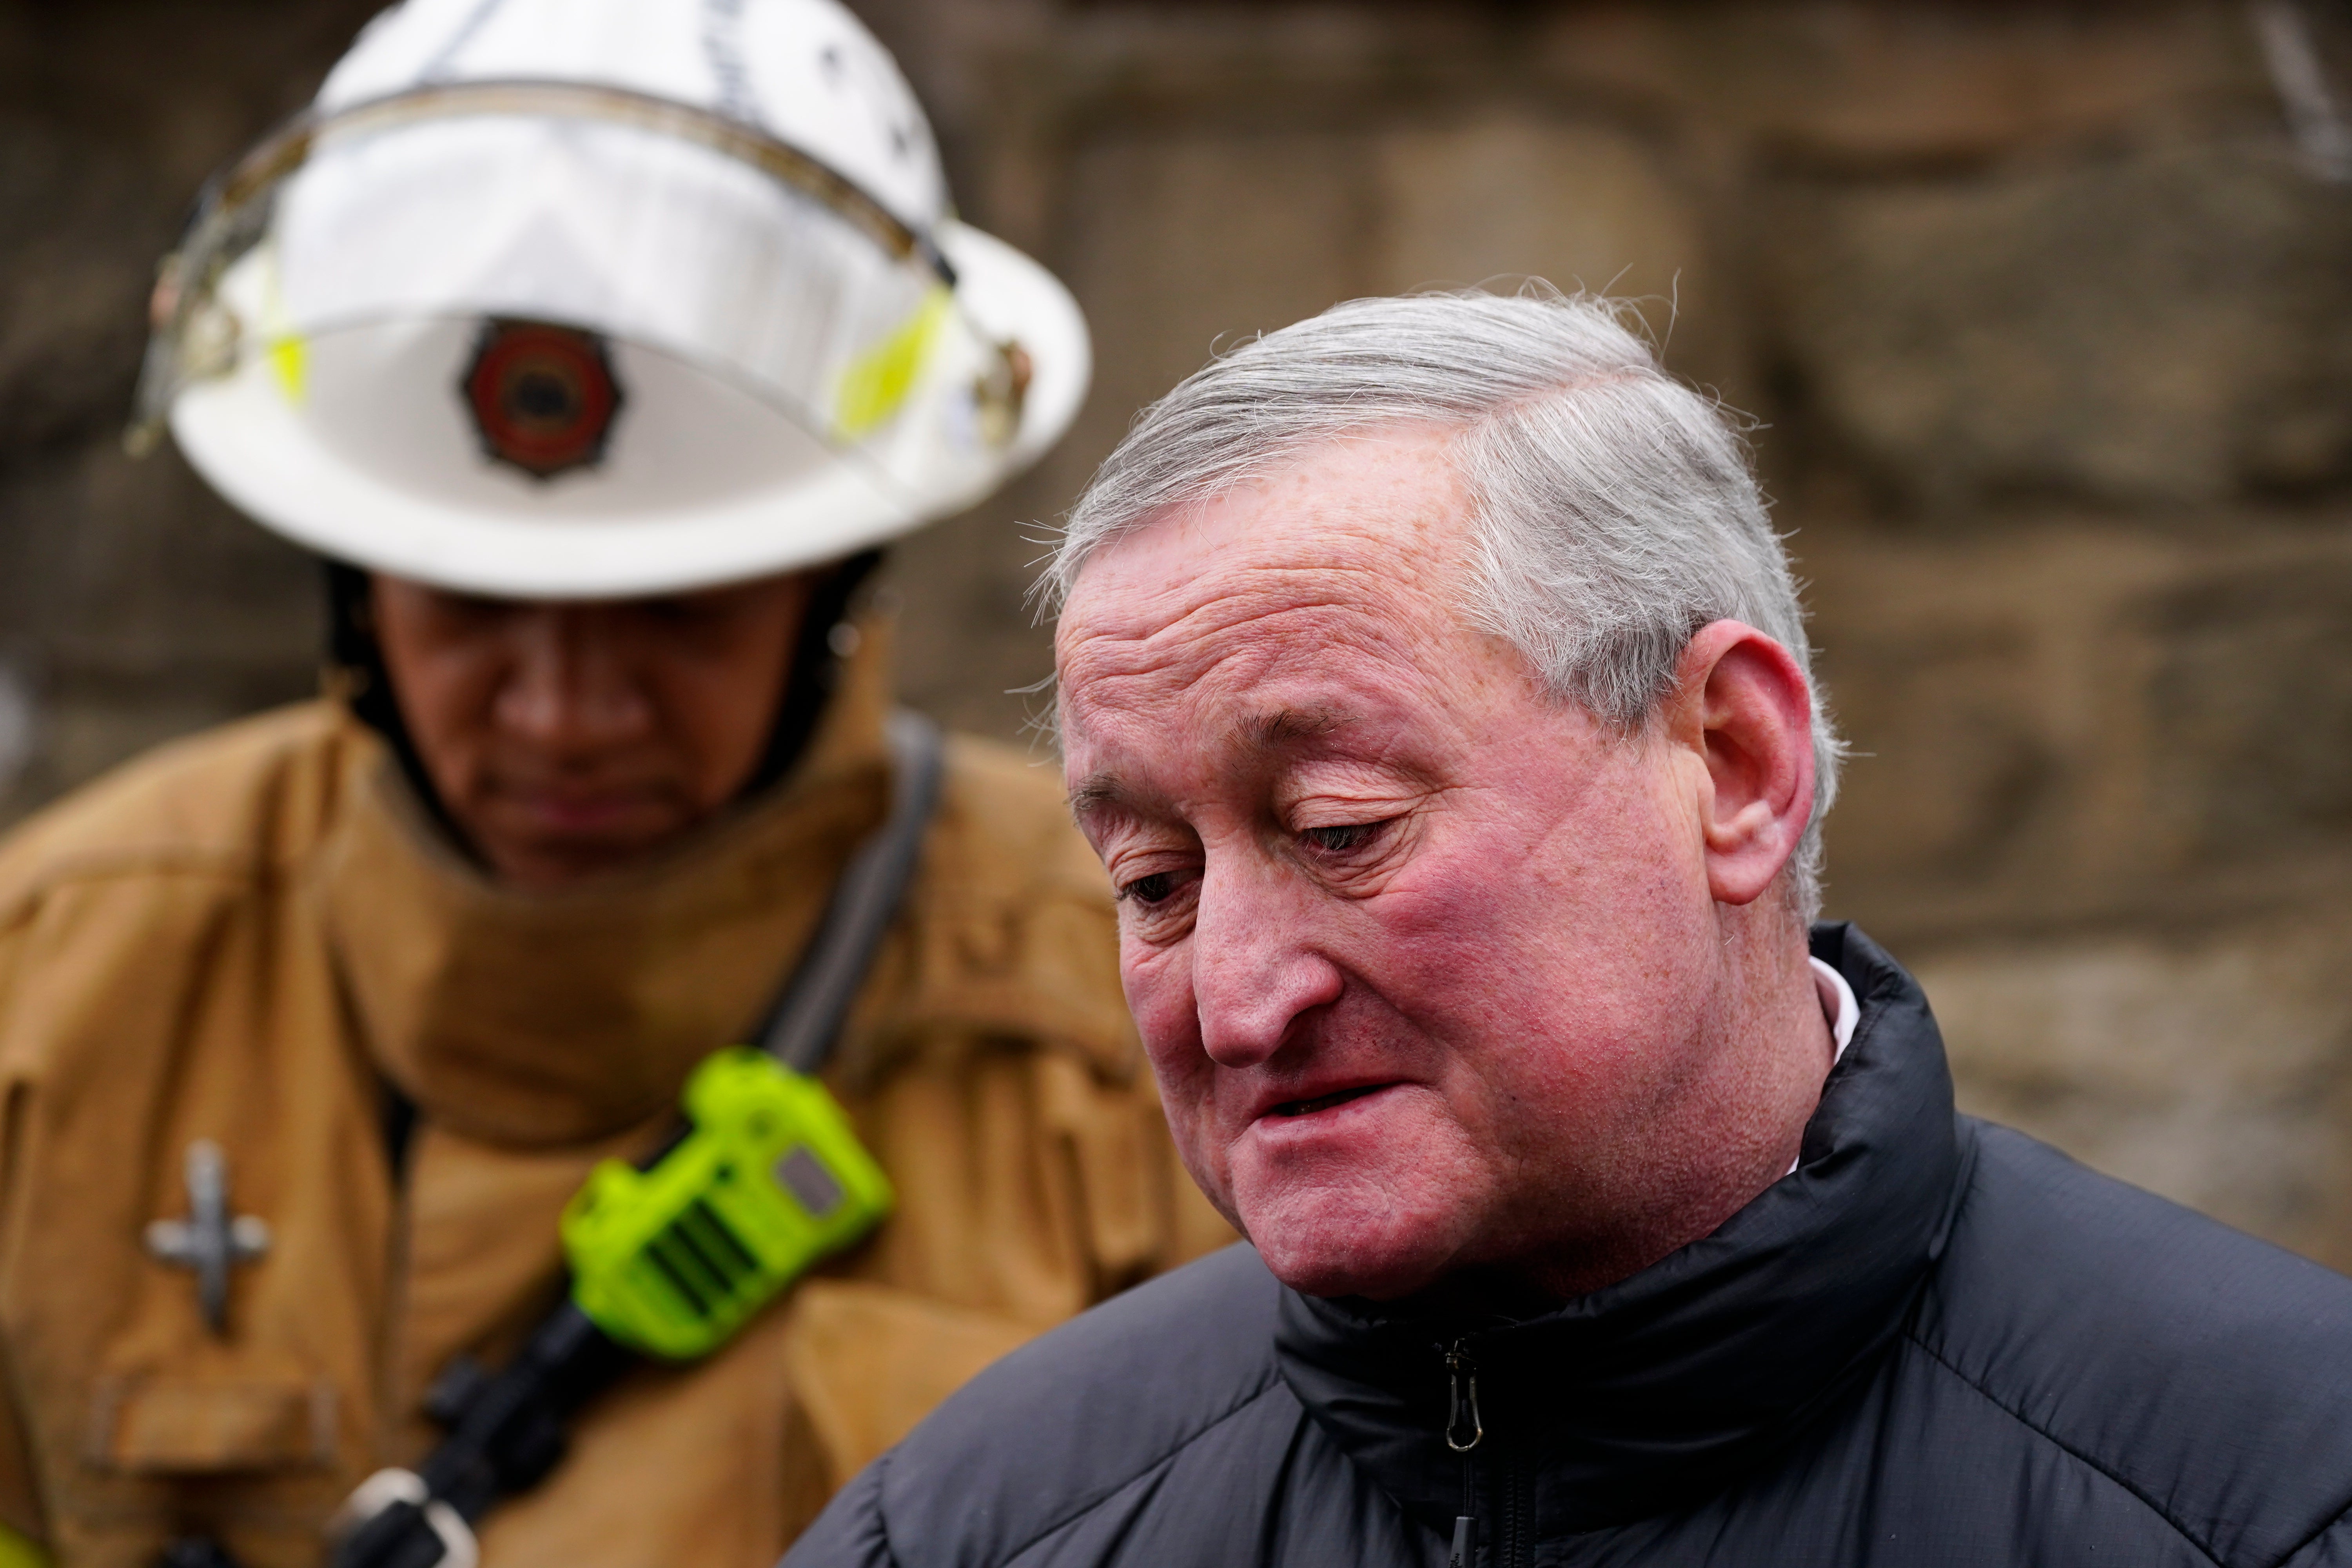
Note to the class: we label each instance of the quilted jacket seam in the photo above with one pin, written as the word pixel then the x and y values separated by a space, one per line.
pixel 1105 1493
pixel 2069 1449
pixel 882 1515
pixel 2300 1547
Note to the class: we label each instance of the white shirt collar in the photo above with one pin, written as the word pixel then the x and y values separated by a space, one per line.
pixel 1838 1005
pixel 1839 1011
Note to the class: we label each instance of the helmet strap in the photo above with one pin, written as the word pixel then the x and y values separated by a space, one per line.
pixel 816 671
pixel 356 672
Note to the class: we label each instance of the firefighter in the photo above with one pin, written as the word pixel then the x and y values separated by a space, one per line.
pixel 599 346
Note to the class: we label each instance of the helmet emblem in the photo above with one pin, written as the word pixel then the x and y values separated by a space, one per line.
pixel 542 396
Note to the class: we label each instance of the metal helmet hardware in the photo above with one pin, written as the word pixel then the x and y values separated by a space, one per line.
pixel 557 299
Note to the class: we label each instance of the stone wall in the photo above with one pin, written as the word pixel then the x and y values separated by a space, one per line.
pixel 2043 320
pixel 133 606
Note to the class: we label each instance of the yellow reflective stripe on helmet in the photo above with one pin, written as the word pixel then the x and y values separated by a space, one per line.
pixel 288 354
pixel 877 381
pixel 21 1551
pixel 290 357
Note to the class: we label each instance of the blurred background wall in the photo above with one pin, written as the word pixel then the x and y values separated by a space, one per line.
pixel 2046 318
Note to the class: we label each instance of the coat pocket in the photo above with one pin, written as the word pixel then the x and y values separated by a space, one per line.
pixel 161 1425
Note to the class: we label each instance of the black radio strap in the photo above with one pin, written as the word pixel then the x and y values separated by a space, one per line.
pixel 806 1019
pixel 508 1431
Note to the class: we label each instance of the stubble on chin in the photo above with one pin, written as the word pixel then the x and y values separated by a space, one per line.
pixel 1359 1234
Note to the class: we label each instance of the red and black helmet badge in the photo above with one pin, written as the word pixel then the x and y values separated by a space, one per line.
pixel 542 396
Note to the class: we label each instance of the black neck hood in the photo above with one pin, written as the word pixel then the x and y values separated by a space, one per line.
pixel 1622 1403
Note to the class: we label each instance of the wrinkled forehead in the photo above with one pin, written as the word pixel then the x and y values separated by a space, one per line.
pixel 1357 553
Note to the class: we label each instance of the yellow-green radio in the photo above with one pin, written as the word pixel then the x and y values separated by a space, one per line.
pixel 769 1180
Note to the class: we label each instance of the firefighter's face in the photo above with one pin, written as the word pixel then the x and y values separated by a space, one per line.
pixel 570 739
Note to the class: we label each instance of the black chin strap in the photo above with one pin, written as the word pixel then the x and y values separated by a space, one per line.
pixel 817 670
pixel 355 670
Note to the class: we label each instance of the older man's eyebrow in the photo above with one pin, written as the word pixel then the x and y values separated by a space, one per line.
pixel 1282 730
pixel 1094 792
pixel 1285 728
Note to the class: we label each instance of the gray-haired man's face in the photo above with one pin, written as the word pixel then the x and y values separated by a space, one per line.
pixel 1436 972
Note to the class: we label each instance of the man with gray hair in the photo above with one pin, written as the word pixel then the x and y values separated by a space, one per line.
pixel 1437 693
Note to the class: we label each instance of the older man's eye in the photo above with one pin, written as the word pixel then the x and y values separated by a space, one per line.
pixel 1340 838
pixel 1149 889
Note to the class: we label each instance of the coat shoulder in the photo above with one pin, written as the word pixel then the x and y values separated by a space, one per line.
pixel 2201 1369
pixel 241 801
pixel 1069 1423
pixel 1003 825
pixel 115 901
pixel 1014 931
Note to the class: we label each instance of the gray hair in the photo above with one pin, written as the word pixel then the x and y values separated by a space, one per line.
pixel 1613 508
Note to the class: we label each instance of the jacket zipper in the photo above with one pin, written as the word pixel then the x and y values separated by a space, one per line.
pixel 1464 1432
pixel 1514 1549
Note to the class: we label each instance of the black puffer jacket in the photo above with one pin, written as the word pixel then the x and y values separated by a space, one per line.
pixel 1936 1342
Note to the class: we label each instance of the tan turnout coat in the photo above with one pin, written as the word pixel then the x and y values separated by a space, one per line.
pixel 242 937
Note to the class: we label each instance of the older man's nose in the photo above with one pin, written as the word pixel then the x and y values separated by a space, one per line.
pixel 1254 975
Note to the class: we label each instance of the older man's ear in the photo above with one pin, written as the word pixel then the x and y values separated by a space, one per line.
pixel 1741 707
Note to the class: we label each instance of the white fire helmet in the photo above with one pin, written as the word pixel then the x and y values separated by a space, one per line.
pixel 590 299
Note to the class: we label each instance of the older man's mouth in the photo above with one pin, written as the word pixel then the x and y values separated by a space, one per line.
pixel 1325 1101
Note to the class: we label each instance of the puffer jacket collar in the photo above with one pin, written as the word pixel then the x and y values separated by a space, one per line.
pixel 1625 1401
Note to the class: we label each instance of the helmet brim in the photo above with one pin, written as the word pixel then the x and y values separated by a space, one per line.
pixel 251 440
